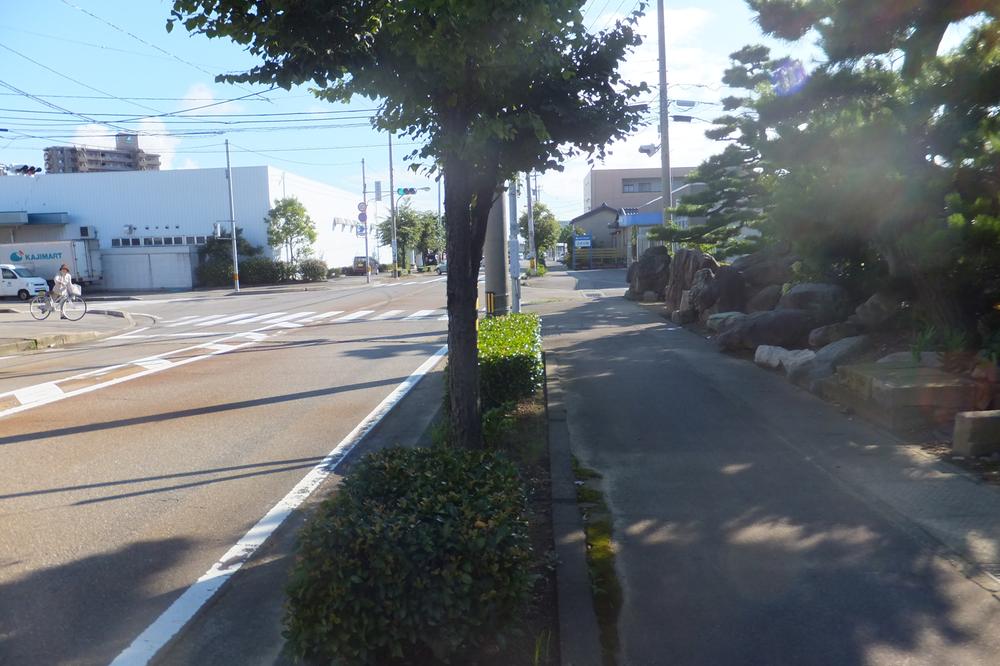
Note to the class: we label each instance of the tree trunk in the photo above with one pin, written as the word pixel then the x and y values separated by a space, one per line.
pixel 463 274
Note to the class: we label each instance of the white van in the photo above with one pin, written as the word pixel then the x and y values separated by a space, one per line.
pixel 21 282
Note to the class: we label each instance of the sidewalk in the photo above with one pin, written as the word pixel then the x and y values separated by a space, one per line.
pixel 19 332
pixel 754 523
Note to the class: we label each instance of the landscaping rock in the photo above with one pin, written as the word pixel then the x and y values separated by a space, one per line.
pixel 682 317
pixel 703 296
pixel 650 273
pixel 766 299
pixel 928 359
pixel 724 320
pixel 843 351
pixel 649 296
pixel 977 433
pixel 828 303
pixel 824 335
pixel 783 328
pixel 767 267
pixel 797 364
pixel 683 266
pixel 770 356
pixel 730 290
pixel 877 310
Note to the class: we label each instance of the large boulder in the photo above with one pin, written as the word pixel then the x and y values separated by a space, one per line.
pixel 766 267
pixel 824 335
pixel 765 299
pixel 683 266
pixel 703 294
pixel 724 320
pixel 729 289
pixel 826 361
pixel 782 328
pixel 650 273
pixel 828 303
pixel 769 356
pixel 877 311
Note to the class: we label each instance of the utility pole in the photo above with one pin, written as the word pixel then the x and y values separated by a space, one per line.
pixel 514 250
pixel 232 219
pixel 495 257
pixel 531 224
pixel 667 182
pixel 392 212
pixel 364 198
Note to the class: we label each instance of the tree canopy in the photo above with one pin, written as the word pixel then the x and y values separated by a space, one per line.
pixel 491 88
pixel 415 230
pixel 546 227
pixel 289 226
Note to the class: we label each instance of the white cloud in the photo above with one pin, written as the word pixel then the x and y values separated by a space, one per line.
pixel 94 136
pixel 189 163
pixel 200 95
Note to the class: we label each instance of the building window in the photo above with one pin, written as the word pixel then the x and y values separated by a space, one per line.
pixel 157 240
pixel 635 185
pixel 190 240
pixel 116 242
pixel 169 240
pixel 201 240
pixel 147 241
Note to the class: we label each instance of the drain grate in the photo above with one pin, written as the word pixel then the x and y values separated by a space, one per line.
pixel 593 294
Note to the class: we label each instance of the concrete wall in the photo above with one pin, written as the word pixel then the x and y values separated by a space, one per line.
pixel 606 185
pixel 597 226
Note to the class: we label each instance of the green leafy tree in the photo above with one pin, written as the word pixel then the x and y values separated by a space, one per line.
pixel 889 145
pixel 415 230
pixel 492 89
pixel 221 248
pixel 289 226
pixel 546 227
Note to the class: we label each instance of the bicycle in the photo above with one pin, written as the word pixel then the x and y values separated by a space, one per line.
pixel 71 306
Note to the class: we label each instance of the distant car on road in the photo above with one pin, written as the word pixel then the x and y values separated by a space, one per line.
pixel 442 268
pixel 358 266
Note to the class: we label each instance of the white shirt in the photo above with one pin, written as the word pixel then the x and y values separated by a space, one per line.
pixel 62 283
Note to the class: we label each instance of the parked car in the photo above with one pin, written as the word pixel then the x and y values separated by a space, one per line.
pixel 442 268
pixel 21 282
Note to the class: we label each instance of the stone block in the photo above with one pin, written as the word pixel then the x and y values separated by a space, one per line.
pixel 770 356
pixel 721 321
pixel 923 387
pixel 976 433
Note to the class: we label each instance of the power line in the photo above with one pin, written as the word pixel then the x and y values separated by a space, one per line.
pixel 56 106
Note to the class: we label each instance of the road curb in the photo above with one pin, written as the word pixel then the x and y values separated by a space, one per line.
pixel 62 339
pixel 579 635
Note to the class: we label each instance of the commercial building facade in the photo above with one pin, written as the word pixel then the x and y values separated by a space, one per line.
pixel 629 188
pixel 150 224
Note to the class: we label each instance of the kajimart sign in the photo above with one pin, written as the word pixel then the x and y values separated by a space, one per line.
pixel 21 255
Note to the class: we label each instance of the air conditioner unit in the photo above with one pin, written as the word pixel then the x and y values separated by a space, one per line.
pixel 88 232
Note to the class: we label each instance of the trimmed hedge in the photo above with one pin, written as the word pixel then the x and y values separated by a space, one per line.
pixel 510 358
pixel 215 273
pixel 419 555
pixel 258 270
pixel 313 270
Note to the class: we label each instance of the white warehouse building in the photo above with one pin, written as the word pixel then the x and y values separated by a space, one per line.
pixel 149 224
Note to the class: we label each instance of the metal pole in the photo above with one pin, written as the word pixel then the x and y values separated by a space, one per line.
pixel 667 182
pixel 495 257
pixel 364 197
pixel 531 224
pixel 232 219
pixel 514 249
pixel 392 213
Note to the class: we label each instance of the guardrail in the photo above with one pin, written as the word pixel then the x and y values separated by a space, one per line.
pixel 595 257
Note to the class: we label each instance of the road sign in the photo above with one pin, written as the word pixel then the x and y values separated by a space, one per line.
pixel 362 217
pixel 362 229
pixel 583 240
pixel 362 206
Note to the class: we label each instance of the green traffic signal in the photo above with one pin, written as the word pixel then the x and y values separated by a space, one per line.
pixel 403 191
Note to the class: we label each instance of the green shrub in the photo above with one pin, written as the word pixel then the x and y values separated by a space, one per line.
pixel 287 270
pixel 510 358
pixel 313 270
pixel 215 273
pixel 420 554
pixel 333 273
pixel 258 270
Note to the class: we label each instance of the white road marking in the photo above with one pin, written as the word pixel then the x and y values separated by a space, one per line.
pixel 419 314
pixel 354 315
pixel 180 612
pixel 155 364
pixel 131 334
pixel 324 315
pixel 261 318
pixel 38 393
pixel 231 318
pixel 288 317
pixel 172 321
pixel 196 320
pixel 386 315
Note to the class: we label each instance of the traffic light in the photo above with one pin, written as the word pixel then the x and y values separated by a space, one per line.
pixel 403 191
pixel 27 170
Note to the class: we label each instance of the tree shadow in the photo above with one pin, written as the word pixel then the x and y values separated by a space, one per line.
pixel 88 610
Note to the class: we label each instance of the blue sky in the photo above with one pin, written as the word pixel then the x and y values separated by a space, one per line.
pixel 67 62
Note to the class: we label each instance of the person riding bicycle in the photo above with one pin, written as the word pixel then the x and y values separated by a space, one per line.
pixel 62 286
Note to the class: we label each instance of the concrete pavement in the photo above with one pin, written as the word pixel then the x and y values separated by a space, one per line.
pixel 754 523
pixel 19 332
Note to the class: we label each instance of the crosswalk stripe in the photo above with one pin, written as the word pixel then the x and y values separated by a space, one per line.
pixel 196 320
pixel 289 317
pixel 324 315
pixel 259 318
pixel 419 314
pixel 355 315
pixel 386 315
pixel 171 321
pixel 231 318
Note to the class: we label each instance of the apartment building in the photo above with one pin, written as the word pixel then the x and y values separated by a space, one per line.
pixel 629 188
pixel 125 156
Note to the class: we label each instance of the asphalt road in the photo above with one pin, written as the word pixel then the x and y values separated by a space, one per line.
pixel 147 456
